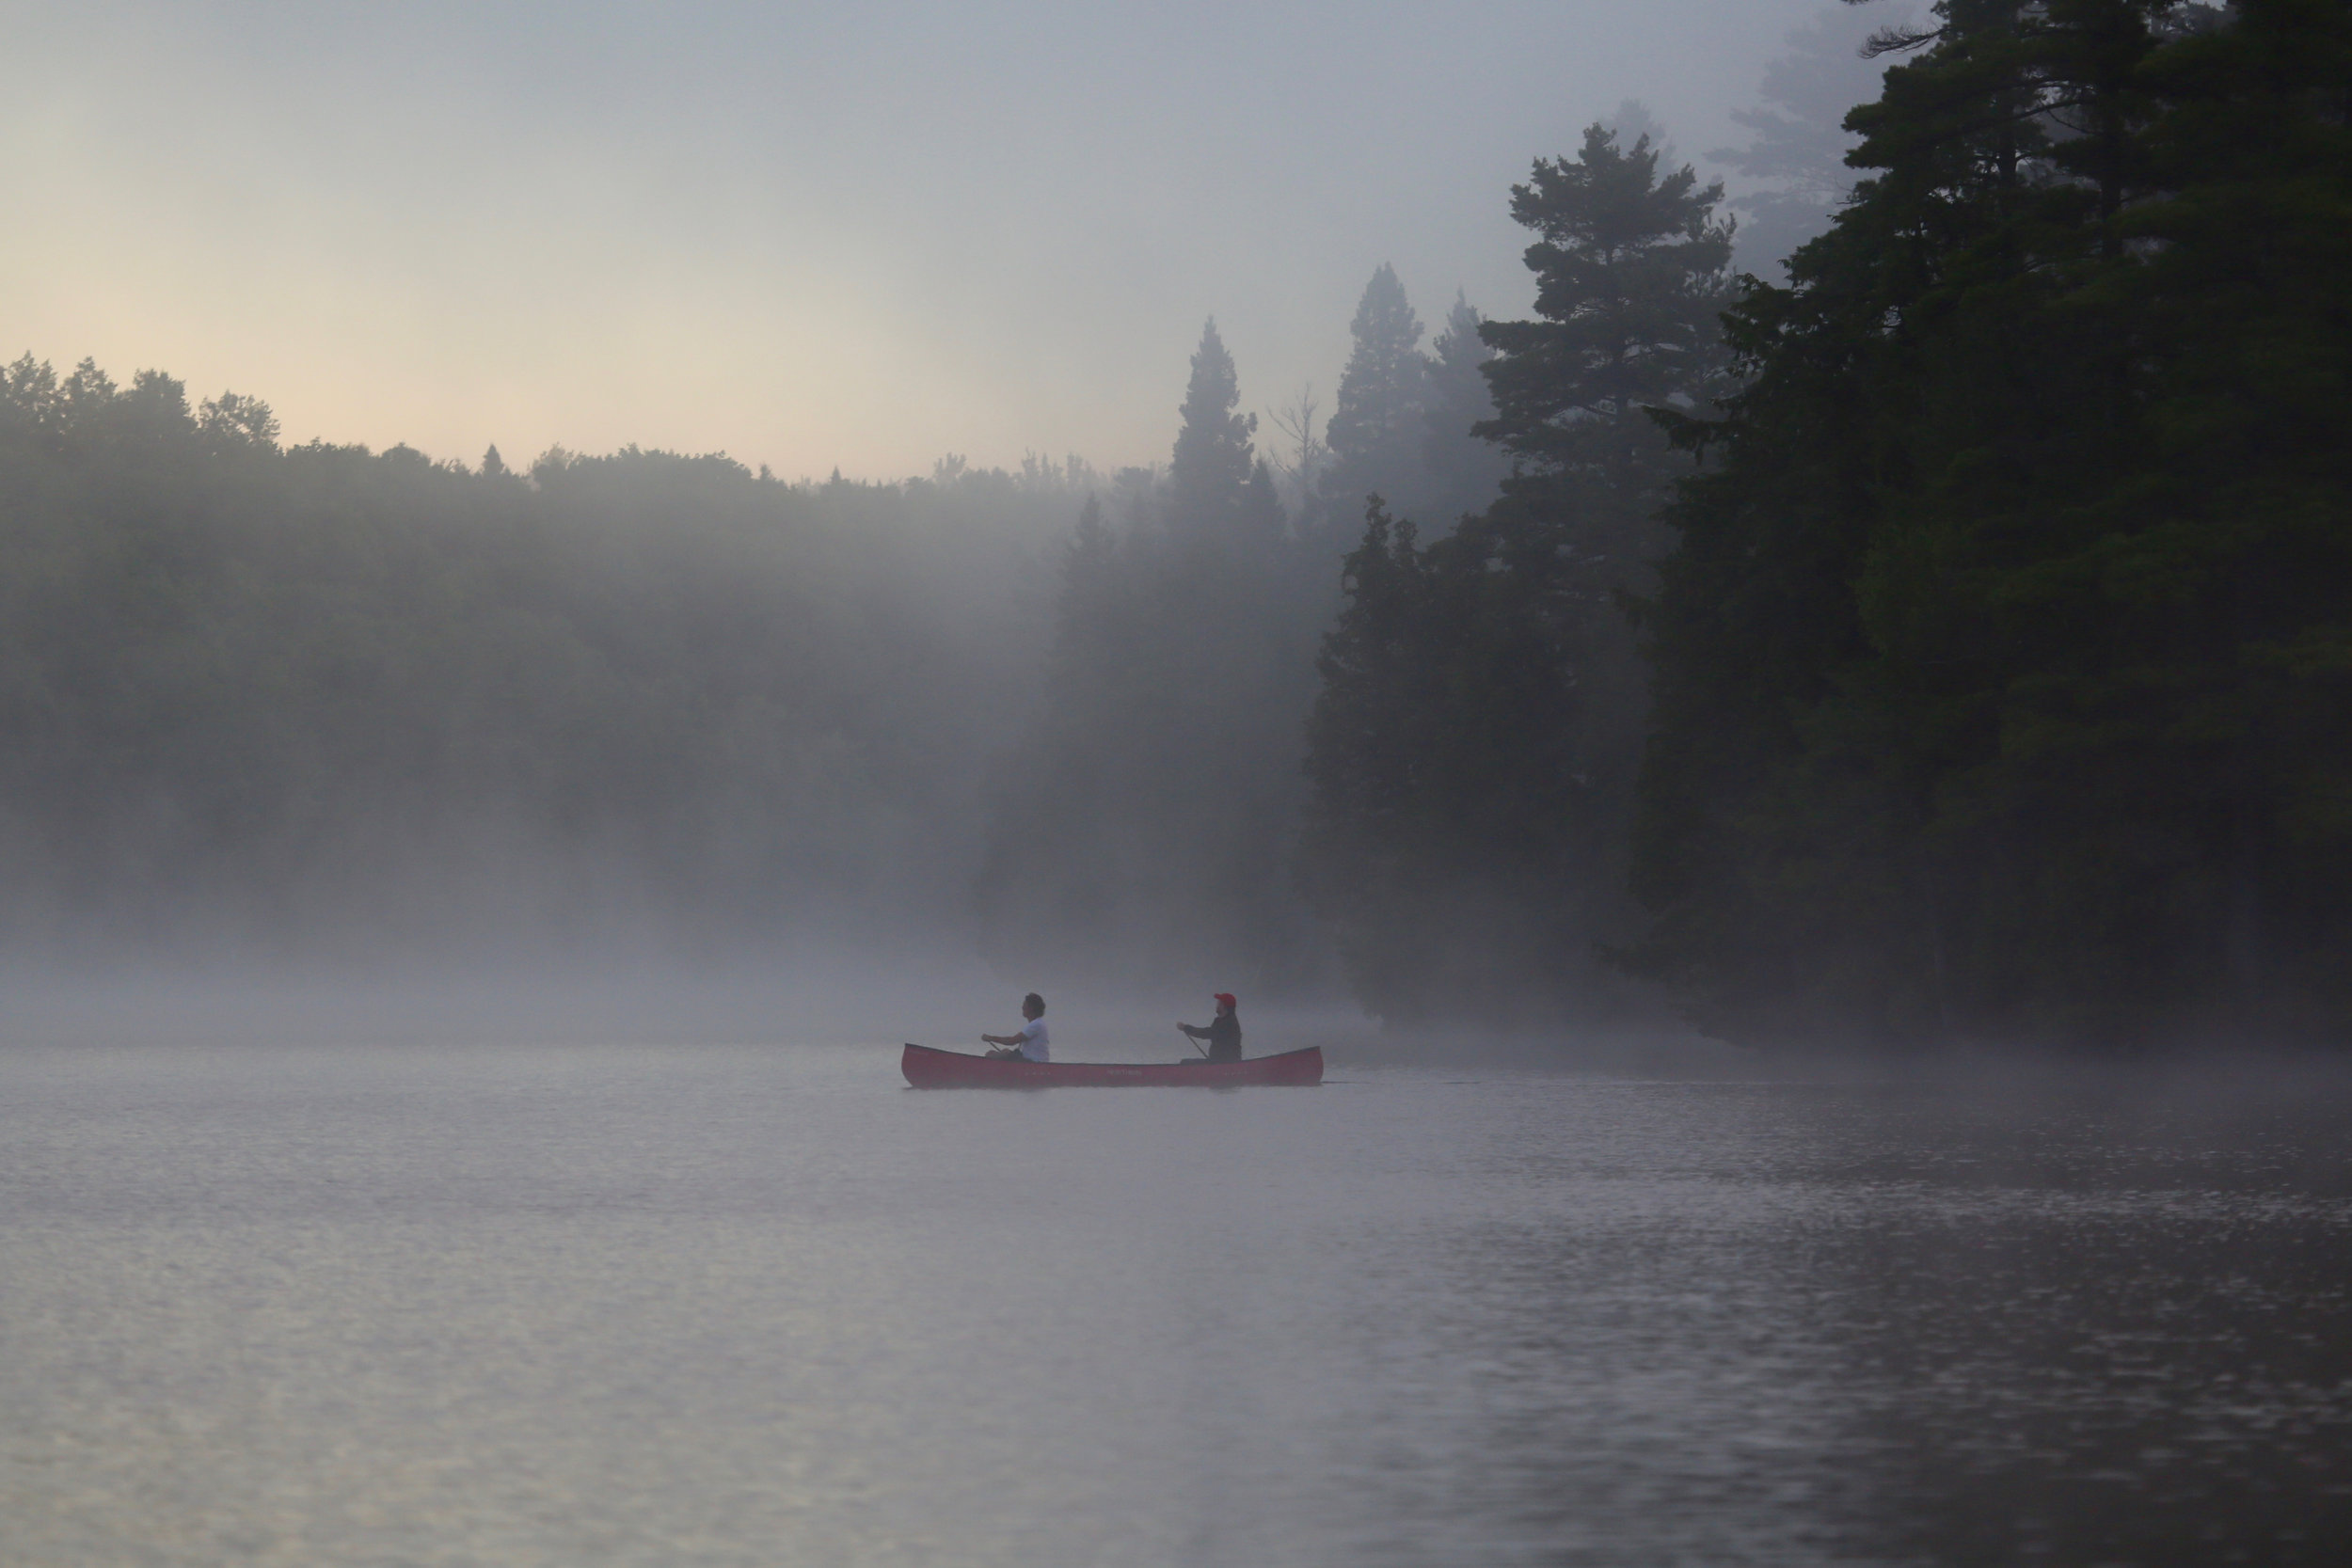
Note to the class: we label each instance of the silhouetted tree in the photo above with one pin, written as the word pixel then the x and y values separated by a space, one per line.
pixel 1208 474
pixel 231 421
pixel 1629 275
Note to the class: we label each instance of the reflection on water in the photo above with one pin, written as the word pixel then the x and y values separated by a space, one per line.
pixel 676 1306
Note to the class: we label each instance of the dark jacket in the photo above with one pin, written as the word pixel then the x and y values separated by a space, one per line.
pixel 1224 1037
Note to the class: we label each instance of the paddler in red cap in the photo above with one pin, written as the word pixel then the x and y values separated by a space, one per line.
pixel 1223 1033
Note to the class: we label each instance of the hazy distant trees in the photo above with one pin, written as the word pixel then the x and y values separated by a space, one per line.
pixel 1402 425
pixel 1141 826
pixel 1796 139
pixel 1300 465
pixel 1473 745
pixel 325 694
pixel 1148 820
pixel 1461 473
pixel 2001 675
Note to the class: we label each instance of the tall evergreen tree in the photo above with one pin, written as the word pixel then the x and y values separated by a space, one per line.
pixel 1376 429
pixel 1630 275
pixel 1208 474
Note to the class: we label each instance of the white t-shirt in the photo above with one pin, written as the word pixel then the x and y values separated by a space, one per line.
pixel 1033 1042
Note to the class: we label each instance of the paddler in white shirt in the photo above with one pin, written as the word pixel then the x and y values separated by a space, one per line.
pixel 1030 1044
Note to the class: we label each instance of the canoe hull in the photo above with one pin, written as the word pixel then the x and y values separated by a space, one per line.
pixel 929 1068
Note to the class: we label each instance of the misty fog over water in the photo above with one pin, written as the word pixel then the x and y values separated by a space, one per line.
pixel 1771 626
pixel 282 697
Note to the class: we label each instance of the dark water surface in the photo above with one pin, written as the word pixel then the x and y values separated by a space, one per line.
pixel 675 1305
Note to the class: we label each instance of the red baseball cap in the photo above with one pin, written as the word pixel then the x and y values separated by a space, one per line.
pixel 1226 997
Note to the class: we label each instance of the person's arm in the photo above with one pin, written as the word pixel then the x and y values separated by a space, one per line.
pixel 1004 1040
pixel 1196 1034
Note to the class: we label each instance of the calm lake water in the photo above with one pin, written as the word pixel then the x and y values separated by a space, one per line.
pixel 684 1306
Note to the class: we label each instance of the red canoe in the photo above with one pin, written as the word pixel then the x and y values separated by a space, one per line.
pixel 928 1069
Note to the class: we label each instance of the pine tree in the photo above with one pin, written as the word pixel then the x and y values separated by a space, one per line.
pixel 1374 432
pixel 1630 275
pixel 1208 474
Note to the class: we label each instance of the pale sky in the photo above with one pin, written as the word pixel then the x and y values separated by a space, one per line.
pixel 809 234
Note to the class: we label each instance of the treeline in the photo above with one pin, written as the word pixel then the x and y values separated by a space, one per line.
pixel 327 696
pixel 321 697
pixel 291 695
pixel 1946 638
pixel 1993 664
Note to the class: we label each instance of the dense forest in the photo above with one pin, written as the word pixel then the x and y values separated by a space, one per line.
pixel 1991 671
pixel 319 696
pixel 2001 664
pixel 1907 603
